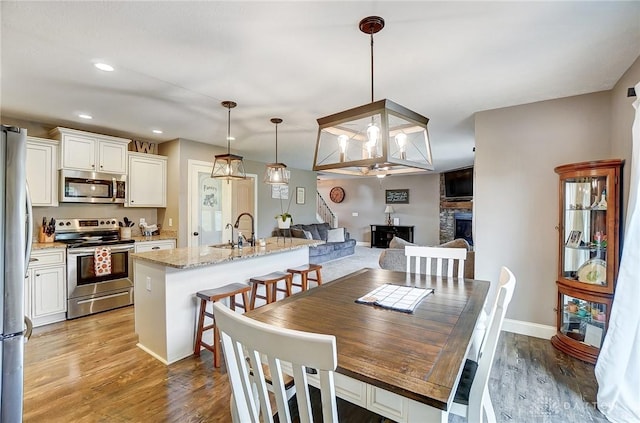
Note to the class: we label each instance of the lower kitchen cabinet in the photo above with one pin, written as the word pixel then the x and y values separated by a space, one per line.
pixel 46 287
pixel 144 246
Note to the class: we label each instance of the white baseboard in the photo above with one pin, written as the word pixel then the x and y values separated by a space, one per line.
pixel 527 328
pixel 363 243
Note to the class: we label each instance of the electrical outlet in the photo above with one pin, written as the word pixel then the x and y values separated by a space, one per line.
pixel 148 283
pixel 170 222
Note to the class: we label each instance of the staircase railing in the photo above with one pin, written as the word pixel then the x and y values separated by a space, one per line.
pixel 324 212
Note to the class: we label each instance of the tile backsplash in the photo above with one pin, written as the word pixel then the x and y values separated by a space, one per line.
pixel 70 211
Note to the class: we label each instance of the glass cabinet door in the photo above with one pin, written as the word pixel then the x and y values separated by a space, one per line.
pixel 585 231
pixel 583 320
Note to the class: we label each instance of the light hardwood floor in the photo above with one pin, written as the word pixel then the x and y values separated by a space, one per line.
pixel 90 370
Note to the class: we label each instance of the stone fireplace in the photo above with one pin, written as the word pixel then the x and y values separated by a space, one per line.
pixel 456 218
pixel 462 226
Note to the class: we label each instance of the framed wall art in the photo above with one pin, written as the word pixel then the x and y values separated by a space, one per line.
pixel 299 195
pixel 397 196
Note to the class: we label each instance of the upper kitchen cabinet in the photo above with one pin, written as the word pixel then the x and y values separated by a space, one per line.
pixel 147 180
pixel 92 152
pixel 42 177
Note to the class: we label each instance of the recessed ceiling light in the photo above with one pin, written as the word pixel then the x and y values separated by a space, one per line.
pixel 104 67
pixel 157 131
pixel 85 116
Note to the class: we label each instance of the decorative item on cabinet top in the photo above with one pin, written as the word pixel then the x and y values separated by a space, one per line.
pixel 145 147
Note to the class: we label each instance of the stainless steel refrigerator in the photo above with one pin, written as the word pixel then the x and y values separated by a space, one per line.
pixel 15 244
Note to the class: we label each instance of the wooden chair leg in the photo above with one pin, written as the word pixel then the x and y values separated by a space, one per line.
pixel 232 302
pixel 271 293
pixel 245 302
pixel 289 281
pixel 197 346
pixel 216 346
pixel 318 277
pixel 254 292
pixel 304 281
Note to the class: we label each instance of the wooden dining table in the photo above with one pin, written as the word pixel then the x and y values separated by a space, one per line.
pixel 404 366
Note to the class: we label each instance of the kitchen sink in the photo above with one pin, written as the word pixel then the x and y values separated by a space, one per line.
pixel 224 246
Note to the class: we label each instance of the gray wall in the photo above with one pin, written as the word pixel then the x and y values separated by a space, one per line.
pixel 516 190
pixel 622 115
pixel 366 196
pixel 182 150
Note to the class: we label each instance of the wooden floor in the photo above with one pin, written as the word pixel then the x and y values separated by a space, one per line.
pixel 90 370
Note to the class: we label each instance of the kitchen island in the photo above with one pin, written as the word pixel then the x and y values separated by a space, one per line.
pixel 166 282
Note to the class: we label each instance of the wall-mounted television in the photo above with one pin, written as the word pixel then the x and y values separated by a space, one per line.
pixel 459 183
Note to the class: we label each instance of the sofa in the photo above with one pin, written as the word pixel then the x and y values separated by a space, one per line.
pixel 338 242
pixel 393 258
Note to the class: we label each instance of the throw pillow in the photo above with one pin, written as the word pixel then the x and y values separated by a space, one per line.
pixel 399 243
pixel 456 243
pixel 323 230
pixel 297 233
pixel 307 234
pixel 313 229
pixel 335 235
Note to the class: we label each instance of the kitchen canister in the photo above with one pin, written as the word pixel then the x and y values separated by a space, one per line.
pixel 125 233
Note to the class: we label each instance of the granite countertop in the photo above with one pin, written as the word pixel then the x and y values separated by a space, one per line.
pixel 138 238
pixel 184 258
pixel 46 245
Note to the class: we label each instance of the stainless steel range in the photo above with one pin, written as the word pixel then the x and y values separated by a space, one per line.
pixel 88 293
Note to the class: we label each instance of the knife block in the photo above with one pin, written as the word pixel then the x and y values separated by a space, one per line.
pixel 43 237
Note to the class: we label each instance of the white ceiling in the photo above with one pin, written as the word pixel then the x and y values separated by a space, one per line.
pixel 176 61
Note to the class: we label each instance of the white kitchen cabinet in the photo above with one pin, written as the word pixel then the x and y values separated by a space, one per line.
pixel 147 180
pixel 42 173
pixel 81 150
pixel 165 244
pixel 46 285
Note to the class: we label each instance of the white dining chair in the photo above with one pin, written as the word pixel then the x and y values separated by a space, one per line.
pixel 243 338
pixel 472 398
pixel 448 258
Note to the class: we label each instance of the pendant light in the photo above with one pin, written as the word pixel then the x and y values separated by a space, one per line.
pixel 380 138
pixel 276 173
pixel 228 166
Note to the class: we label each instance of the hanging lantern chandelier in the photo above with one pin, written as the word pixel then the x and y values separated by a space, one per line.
pixel 228 166
pixel 380 138
pixel 276 173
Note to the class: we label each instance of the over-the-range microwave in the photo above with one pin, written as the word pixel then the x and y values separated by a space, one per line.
pixel 92 187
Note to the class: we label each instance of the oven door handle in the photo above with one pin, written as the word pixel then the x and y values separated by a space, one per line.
pixel 91 250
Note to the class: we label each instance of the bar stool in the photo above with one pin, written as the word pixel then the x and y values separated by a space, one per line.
pixel 212 295
pixel 270 282
pixel 304 271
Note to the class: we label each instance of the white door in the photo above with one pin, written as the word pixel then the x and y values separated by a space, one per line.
pixel 213 205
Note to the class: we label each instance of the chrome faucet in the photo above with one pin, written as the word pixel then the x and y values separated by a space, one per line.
pixel 230 226
pixel 252 240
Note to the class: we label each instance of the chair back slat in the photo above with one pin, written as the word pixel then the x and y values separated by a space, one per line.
pixel 444 258
pixel 243 337
pixel 479 387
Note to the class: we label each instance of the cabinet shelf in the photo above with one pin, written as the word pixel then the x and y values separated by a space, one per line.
pixel 589 252
pixel 381 235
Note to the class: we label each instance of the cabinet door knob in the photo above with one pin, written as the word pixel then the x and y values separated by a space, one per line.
pixel 37 274
pixel 155 248
pixel 195 234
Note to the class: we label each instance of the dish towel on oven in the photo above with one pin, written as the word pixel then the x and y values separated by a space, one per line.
pixel 396 297
pixel 102 261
